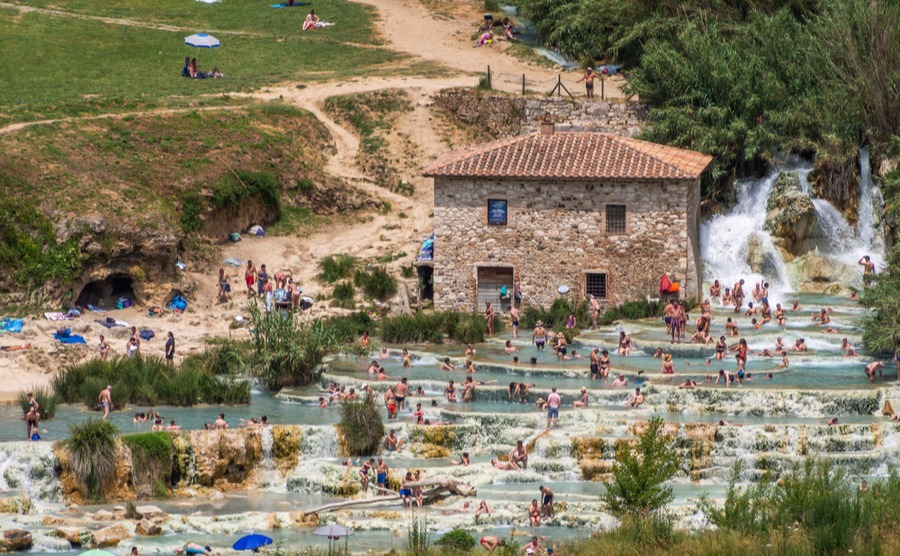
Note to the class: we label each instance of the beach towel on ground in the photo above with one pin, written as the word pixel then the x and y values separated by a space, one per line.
pixel 70 339
pixel 110 322
pixel 95 309
pixel 56 316
pixel 233 262
pixel 147 334
pixel 280 295
pixel 11 325
pixel 286 5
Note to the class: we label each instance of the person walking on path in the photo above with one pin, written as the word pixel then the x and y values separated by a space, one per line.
pixel 588 79
pixel 170 348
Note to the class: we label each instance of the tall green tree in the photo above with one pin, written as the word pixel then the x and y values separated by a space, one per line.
pixel 640 473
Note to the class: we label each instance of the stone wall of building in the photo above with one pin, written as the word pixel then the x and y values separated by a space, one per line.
pixel 555 233
pixel 505 115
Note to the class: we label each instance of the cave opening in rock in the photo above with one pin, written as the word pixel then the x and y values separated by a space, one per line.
pixel 104 293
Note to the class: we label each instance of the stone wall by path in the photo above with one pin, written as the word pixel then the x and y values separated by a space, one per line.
pixel 507 115
pixel 618 118
pixel 556 232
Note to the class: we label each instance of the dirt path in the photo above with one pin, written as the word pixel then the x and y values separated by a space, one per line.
pixel 408 26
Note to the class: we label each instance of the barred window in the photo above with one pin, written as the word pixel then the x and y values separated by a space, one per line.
pixel 615 219
pixel 595 284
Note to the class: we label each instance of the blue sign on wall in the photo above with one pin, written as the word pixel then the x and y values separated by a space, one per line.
pixel 497 211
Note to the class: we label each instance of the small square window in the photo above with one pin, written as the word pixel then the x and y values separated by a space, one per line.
pixel 497 212
pixel 615 219
pixel 595 284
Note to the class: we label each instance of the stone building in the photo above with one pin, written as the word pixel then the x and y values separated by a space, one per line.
pixel 598 213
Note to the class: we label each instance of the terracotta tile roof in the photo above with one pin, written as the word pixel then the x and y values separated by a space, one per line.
pixel 571 155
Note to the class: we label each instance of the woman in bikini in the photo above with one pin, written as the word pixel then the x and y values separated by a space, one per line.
pixel 561 346
pixel 625 343
pixel 779 315
pixel 721 348
pixel 604 364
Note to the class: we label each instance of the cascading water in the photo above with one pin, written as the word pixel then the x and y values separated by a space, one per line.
pixel 868 226
pixel 725 238
pixel 268 473
pixel 30 468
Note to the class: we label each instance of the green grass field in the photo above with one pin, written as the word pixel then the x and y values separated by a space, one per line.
pixel 56 66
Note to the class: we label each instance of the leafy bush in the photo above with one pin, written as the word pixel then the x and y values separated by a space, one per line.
pixel 190 213
pixel 631 310
pixel 376 283
pixel 30 253
pixel 557 315
pixel 337 267
pixel 343 294
pixel 237 186
pixel 347 328
pixel 417 327
pixel 639 474
pixel 288 351
pixel 469 328
pixel 221 356
pixel 746 510
pixel 92 454
pixel 816 496
pixel 457 539
pixel 151 458
pixel 361 426
pixel 46 399
pixel 146 381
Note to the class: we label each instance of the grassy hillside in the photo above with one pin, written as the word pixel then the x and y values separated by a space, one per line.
pixel 138 175
pixel 72 61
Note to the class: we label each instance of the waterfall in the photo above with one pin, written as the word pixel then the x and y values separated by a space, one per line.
pixel 867 227
pixel 838 235
pixel 30 468
pixel 268 472
pixel 725 238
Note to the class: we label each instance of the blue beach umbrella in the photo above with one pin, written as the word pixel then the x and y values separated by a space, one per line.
pixel 251 542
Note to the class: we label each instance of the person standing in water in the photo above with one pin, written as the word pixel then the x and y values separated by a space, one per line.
pixel 33 417
pixel 738 295
pixel 514 317
pixel 489 317
pixel 539 335
pixel 106 400
pixel 595 312
pixel 868 266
